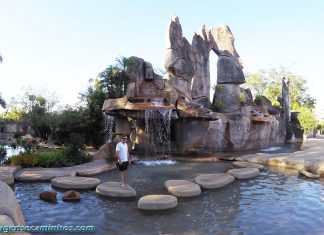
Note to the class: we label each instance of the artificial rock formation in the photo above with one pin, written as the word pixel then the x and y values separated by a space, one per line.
pixel 233 121
pixel 178 59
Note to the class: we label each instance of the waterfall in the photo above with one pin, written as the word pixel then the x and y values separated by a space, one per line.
pixel 158 132
pixel 109 128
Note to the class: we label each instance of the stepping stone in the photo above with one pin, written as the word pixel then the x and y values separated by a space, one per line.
pixel 182 188
pixel 114 189
pixel 157 202
pixel 75 182
pixel 308 174
pixel 7 177
pixel 93 168
pixel 244 173
pixel 11 169
pixel 240 164
pixel 214 181
pixel 43 174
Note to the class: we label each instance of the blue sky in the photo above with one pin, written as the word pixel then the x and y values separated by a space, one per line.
pixel 59 45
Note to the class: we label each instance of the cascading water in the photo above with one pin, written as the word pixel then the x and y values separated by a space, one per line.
pixel 158 131
pixel 109 128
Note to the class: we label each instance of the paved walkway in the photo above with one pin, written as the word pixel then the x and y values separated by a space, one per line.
pixel 310 158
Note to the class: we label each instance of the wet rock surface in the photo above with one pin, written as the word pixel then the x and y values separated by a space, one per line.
pixel 48 196
pixel 71 196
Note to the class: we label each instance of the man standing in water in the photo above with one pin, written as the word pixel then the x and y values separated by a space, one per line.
pixel 123 159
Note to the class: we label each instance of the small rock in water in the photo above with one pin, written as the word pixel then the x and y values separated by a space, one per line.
pixel 71 196
pixel 308 174
pixel 48 196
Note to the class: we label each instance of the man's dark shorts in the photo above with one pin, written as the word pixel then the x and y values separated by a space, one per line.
pixel 123 166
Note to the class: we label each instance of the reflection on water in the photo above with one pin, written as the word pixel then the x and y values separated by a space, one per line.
pixel 276 202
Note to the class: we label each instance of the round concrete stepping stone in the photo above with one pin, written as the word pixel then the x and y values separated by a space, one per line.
pixel 7 177
pixel 182 188
pixel 157 202
pixel 114 189
pixel 244 173
pixel 75 182
pixel 240 164
pixel 214 181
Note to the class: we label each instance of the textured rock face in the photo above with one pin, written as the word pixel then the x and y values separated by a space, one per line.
pixel 178 59
pixel 224 41
pixel 229 71
pixel 201 48
pixel 227 98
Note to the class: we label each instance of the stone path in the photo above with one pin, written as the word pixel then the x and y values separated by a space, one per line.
pixel 75 182
pixel 182 188
pixel 244 173
pixel 46 174
pixel 239 164
pixel 114 189
pixel 43 174
pixel 214 181
pixel 311 158
pixel 157 202
pixel 93 168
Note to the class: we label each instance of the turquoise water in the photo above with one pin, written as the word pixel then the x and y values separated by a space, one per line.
pixel 276 202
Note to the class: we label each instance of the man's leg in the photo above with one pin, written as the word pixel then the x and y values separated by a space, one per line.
pixel 122 174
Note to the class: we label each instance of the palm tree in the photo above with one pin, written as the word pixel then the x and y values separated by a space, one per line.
pixel 121 66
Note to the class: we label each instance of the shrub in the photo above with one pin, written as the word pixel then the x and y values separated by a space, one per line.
pixel 26 159
pixel 53 158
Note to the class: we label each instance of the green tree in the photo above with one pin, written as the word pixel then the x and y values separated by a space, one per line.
pixel 110 84
pixel 38 108
pixel 268 83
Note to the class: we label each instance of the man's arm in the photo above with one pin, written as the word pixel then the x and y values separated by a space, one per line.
pixel 129 158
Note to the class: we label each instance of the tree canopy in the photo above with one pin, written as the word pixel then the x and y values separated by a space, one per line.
pixel 268 83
